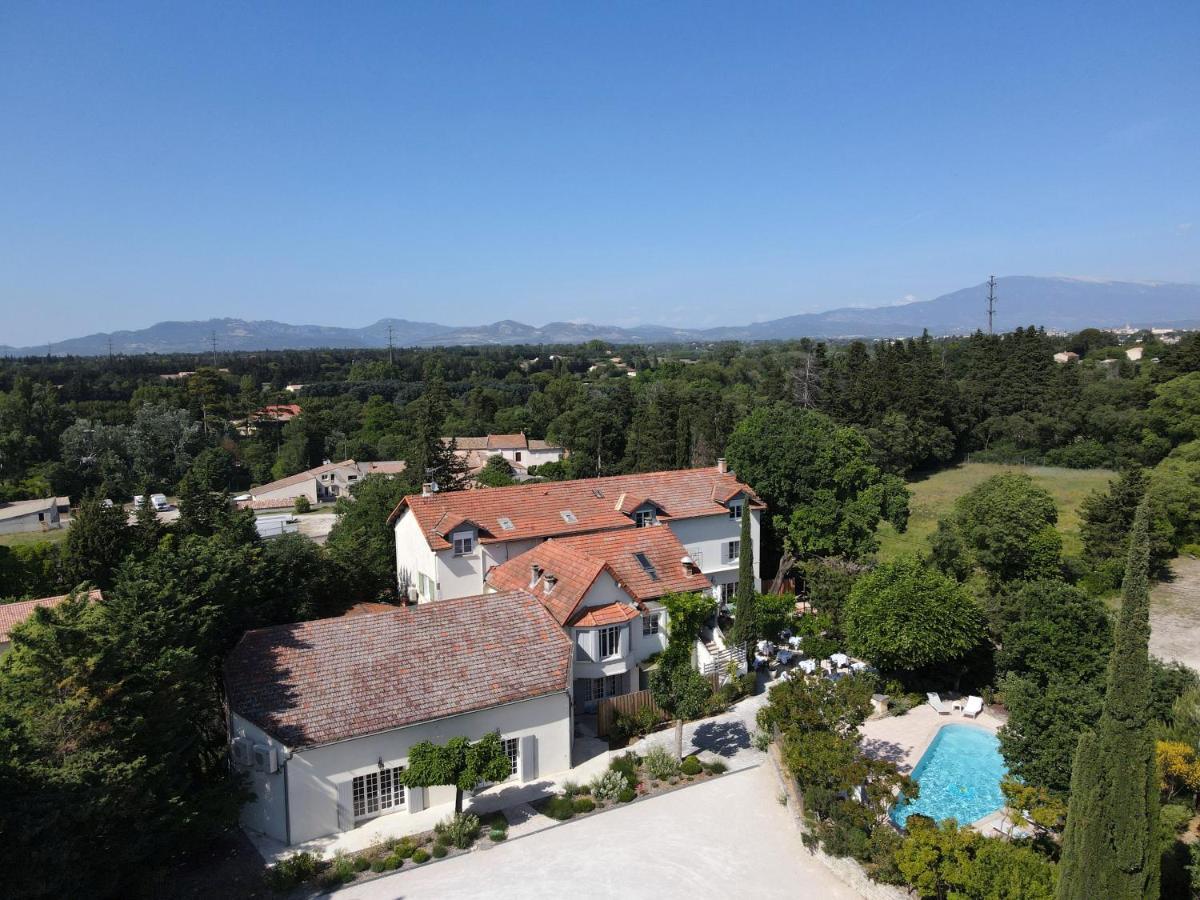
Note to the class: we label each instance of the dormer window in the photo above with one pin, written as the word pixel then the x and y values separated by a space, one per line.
pixel 464 543
pixel 643 518
pixel 735 510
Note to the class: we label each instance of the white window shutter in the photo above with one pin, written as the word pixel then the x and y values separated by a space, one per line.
pixel 527 758
pixel 414 799
pixel 345 805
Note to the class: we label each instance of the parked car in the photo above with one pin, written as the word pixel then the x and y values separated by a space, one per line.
pixel 138 500
pixel 160 502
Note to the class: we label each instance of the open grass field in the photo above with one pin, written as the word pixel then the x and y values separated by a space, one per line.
pixel 33 537
pixel 933 498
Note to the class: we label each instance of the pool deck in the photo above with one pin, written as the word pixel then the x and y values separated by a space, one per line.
pixel 904 740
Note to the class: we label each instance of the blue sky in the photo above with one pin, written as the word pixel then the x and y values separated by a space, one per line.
pixel 611 162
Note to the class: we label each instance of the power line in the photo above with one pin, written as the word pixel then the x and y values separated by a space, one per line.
pixel 212 338
pixel 991 300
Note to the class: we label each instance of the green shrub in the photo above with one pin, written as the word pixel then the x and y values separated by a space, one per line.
pixel 302 505
pixel 378 865
pixel 691 766
pixel 609 785
pixel 661 762
pixel 559 808
pixel 584 804
pixel 716 767
pixel 570 789
pixel 459 830
pixel 438 851
pixel 289 872
pixel 405 849
pixel 626 795
pixel 361 864
pixel 421 856
pixel 627 765
pixel 494 822
pixel 585 789
pixel 392 862
pixel 496 835
pixel 762 741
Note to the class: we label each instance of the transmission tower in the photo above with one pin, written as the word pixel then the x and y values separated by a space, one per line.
pixel 390 360
pixel 212 340
pixel 991 300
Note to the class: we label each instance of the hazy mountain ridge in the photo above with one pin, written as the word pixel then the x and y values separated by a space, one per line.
pixel 1066 304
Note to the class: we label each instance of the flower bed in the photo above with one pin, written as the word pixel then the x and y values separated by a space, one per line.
pixel 450 837
pixel 629 777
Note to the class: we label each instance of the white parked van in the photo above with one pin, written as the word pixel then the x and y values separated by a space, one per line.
pixel 160 502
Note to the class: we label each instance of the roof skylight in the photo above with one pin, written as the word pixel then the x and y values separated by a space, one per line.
pixel 506 523
pixel 647 566
pixel 568 517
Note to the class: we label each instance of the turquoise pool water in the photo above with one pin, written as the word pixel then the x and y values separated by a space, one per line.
pixel 959 776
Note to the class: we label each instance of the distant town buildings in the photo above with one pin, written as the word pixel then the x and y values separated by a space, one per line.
pixel 520 451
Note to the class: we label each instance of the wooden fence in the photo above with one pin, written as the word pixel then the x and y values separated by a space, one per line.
pixel 628 704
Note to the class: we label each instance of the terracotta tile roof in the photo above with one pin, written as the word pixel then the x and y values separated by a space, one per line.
pixel 281 412
pixel 366 607
pixel 269 503
pixel 319 682
pixel 536 509
pixel 535 444
pixel 576 562
pixel 507 441
pixel 384 467
pixel 13 614
pixel 574 571
pixel 612 614
pixel 467 443
pixel 662 550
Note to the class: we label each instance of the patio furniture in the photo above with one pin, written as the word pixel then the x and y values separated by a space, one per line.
pixel 784 656
pixel 974 706
pixel 839 659
pixel 858 666
pixel 794 642
pixel 936 702
pixel 766 648
pixel 808 666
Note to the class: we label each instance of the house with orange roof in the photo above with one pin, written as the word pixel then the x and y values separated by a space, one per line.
pixel 446 543
pixel 605 590
pixel 13 614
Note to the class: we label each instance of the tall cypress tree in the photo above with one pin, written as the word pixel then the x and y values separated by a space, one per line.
pixel 1110 846
pixel 746 611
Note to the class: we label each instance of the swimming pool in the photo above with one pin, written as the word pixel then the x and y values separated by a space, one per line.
pixel 959 776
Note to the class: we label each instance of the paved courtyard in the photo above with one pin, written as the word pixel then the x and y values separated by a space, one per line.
pixel 725 837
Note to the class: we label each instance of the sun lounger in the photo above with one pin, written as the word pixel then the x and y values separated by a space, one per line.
pixel 974 706
pixel 936 702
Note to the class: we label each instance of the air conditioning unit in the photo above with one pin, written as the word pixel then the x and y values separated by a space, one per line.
pixel 266 759
pixel 240 752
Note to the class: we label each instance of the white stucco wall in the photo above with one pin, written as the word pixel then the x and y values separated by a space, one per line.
pixel 306 488
pixel 319 779
pixel 267 813
pixel 705 538
pixel 413 552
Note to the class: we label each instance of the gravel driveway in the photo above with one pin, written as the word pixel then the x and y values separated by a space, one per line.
pixel 727 837
pixel 1175 614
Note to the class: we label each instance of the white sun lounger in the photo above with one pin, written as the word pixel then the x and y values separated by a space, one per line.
pixel 936 702
pixel 973 707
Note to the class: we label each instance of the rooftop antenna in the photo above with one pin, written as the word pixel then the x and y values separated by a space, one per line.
pixel 991 300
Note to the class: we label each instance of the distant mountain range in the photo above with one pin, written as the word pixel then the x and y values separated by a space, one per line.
pixel 1063 304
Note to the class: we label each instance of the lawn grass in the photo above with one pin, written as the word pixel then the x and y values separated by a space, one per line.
pixel 34 537
pixel 933 498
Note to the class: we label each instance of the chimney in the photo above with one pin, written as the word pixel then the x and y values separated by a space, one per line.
pixel 722 466
pixel 427 489
pixel 535 572
pixel 551 581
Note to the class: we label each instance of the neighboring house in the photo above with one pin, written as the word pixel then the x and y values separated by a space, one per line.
pixel 1066 356
pixel 604 590
pixel 520 451
pixel 30 515
pixel 274 414
pixel 13 614
pixel 322 714
pixel 323 484
pixel 446 543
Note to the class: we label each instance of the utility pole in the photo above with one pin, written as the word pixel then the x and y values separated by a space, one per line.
pixel 212 339
pixel 390 360
pixel 991 300
pixel 110 349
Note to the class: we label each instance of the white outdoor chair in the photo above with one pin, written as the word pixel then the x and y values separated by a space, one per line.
pixel 936 702
pixel 973 707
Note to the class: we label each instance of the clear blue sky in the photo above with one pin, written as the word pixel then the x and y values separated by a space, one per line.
pixel 609 162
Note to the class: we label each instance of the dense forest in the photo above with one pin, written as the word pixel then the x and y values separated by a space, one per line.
pixel 827 434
